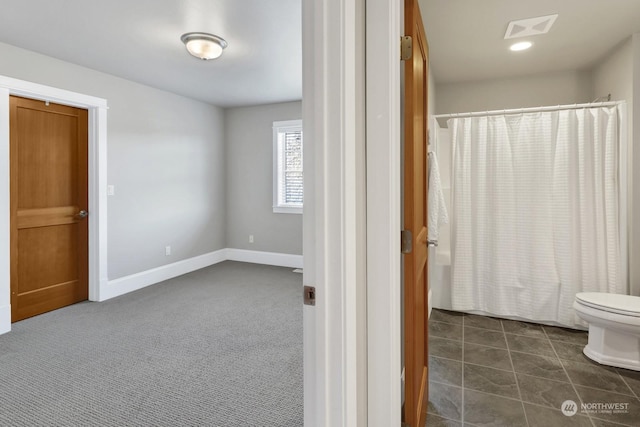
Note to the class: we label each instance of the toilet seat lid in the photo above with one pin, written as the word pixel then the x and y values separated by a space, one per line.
pixel 627 305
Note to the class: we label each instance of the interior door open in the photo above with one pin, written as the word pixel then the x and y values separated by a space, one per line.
pixel 415 221
pixel 48 206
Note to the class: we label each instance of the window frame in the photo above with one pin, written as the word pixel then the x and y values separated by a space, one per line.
pixel 280 128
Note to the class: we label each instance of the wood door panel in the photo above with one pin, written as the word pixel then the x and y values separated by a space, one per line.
pixel 43 217
pixel 47 155
pixel 421 253
pixel 46 256
pixel 47 299
pixel 49 187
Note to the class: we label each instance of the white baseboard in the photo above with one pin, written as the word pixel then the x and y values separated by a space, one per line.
pixel 269 258
pixel 5 319
pixel 143 279
pixel 123 285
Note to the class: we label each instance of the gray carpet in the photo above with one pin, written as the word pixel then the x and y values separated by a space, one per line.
pixel 220 346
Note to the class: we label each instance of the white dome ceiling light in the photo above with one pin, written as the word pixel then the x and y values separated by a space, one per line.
pixel 204 46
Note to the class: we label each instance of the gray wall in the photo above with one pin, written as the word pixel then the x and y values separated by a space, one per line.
pixel 618 76
pixel 567 87
pixel 165 157
pixel 249 160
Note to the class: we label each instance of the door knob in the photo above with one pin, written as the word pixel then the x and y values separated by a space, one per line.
pixel 82 214
pixel 432 243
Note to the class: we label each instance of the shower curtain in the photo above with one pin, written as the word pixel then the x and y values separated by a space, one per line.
pixel 535 212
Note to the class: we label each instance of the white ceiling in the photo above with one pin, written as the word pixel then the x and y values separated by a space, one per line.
pixel 139 40
pixel 466 36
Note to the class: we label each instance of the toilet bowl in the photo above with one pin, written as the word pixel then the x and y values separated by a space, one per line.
pixel 614 328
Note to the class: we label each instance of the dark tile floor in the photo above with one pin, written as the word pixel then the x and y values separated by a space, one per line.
pixel 491 372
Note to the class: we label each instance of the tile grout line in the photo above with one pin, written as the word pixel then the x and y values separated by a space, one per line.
pixel 440 416
pixel 448 385
pixel 506 370
pixel 474 364
pixel 521 400
pixel 461 324
pixel 495 395
pixel 515 377
pixel 607 391
pixel 503 348
pixel 573 386
pixel 633 392
pixel 545 337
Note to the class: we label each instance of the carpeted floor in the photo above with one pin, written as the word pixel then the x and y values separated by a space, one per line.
pixel 220 346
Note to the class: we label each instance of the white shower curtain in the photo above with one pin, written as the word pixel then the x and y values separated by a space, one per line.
pixel 535 211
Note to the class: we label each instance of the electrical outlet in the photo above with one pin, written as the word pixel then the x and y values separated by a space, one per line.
pixel 167 250
pixel 250 238
pixel 111 190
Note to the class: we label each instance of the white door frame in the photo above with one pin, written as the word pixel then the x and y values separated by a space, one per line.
pixel 97 108
pixel 333 41
pixel 385 23
pixel 334 127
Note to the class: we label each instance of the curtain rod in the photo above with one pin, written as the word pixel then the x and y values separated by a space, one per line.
pixel 530 110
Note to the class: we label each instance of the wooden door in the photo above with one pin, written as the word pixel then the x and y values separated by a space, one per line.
pixel 49 200
pixel 415 220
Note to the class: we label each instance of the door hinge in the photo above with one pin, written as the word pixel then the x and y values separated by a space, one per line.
pixel 406 241
pixel 406 48
pixel 309 295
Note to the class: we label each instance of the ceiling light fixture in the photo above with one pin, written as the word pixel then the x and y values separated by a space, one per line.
pixel 204 46
pixel 520 46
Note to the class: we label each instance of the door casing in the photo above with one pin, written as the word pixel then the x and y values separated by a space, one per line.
pixel 97 108
pixel 384 24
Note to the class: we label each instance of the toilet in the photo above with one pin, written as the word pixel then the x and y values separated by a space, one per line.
pixel 614 328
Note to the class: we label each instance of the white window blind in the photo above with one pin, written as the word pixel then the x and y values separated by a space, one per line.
pixel 288 194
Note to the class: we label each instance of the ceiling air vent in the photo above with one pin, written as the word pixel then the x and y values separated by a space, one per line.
pixel 530 27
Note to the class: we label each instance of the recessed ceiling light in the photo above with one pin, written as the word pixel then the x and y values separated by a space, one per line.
pixel 520 46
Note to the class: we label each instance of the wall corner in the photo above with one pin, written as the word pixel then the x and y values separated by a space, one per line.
pixel 5 319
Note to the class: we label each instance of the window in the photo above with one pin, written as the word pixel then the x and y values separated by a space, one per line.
pixel 287 167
